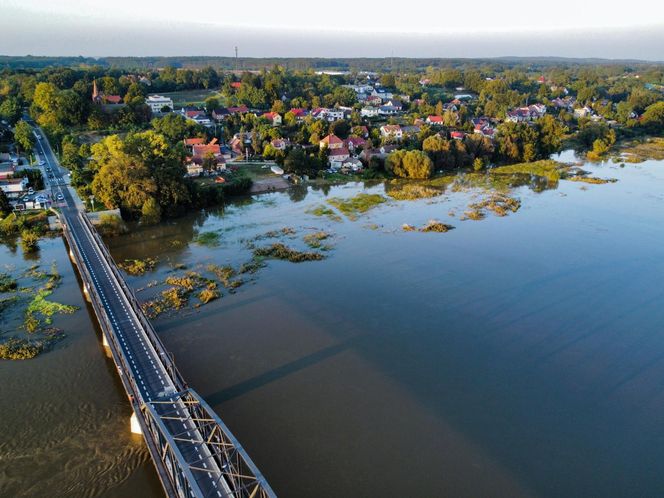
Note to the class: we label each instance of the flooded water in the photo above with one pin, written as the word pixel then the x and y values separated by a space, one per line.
pixel 512 356
pixel 65 418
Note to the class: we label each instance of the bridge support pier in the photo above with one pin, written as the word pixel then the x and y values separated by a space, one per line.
pixel 104 341
pixel 135 426
pixel 71 256
pixel 86 293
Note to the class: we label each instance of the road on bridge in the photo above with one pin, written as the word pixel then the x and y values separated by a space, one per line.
pixel 154 380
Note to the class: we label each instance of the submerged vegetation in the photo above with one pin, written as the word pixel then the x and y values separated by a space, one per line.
pixel 315 240
pixel 411 191
pixel 207 239
pixel 357 205
pixel 431 226
pixel 281 251
pixel 549 169
pixel 499 204
pixel 592 179
pixel 37 311
pixel 137 267
pixel 325 211
pixel 640 151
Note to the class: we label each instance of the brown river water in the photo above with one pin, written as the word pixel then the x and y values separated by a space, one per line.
pixel 512 356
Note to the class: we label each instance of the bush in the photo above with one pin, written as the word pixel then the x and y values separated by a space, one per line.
pixel 409 164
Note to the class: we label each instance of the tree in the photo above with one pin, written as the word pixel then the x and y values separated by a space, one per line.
pixel 175 127
pixel 551 133
pixel 5 206
pixel 150 212
pixel 23 136
pixel 409 164
pixel 388 80
pixel 653 117
pixel 10 110
pixel 135 94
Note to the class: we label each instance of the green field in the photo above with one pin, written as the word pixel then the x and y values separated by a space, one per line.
pixel 192 97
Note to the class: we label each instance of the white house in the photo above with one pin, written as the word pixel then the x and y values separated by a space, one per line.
pixel 369 112
pixel 157 102
pixel 391 131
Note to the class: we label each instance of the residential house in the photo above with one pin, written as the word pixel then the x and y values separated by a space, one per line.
pixel 435 120
pixel 201 152
pixel 355 143
pixel 369 112
pixel 387 110
pixel 583 112
pixel 395 103
pixel 242 109
pixel 6 170
pixel 332 142
pixel 280 143
pixel 527 113
pixel 457 135
pixel 273 117
pixel 14 188
pixel 391 131
pixel 299 113
pixel 220 114
pixel 338 155
pixel 410 130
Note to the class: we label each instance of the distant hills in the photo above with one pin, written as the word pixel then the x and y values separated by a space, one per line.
pixel 331 64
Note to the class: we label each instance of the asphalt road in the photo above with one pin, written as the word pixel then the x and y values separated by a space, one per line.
pixel 147 370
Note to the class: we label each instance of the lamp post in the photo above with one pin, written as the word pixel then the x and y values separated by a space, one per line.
pixel 92 201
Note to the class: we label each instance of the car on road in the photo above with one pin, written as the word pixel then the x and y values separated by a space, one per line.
pixel 42 163
pixel 60 197
pixel 31 191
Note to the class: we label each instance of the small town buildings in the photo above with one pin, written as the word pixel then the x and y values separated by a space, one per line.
pixel 369 112
pixel 338 155
pixel 200 153
pixel 273 117
pixel 387 110
pixel 280 143
pixel 158 103
pixel 583 112
pixel 14 188
pixel 391 131
pixel 332 142
pixel 101 98
pixel 355 143
pixel 435 120
pixel 6 170
pixel 457 135
pixel 528 113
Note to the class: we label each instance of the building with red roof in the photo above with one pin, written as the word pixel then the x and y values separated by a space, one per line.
pixel 332 142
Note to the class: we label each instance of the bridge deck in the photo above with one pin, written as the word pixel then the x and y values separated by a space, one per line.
pixel 194 452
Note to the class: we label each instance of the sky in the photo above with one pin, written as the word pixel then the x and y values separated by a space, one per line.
pixel 338 28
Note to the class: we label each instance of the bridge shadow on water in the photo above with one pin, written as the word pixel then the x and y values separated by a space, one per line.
pixel 282 371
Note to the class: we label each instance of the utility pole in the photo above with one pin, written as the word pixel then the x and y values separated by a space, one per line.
pixel 236 59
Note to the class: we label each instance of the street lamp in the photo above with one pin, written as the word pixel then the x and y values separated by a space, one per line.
pixel 92 200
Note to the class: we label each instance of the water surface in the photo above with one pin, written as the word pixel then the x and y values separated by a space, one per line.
pixel 515 356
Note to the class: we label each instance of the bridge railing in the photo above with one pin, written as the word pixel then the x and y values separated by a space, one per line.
pixel 239 475
pixel 166 357
pixel 166 474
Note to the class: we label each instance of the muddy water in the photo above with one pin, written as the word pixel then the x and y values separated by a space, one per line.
pixel 65 419
pixel 515 356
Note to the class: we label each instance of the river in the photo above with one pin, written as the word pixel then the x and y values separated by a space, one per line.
pixel 512 356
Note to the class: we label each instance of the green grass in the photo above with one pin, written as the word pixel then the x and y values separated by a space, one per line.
pixel 192 97
pixel 357 205
pixel 547 168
